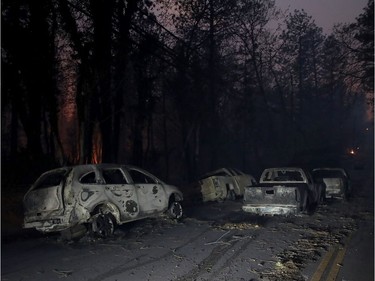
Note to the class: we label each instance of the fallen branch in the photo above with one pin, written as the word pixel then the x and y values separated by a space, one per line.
pixel 218 240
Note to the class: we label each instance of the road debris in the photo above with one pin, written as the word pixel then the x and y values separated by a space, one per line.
pixel 63 273
pixel 218 240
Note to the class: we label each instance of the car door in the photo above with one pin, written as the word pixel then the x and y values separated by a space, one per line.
pixel 150 192
pixel 121 192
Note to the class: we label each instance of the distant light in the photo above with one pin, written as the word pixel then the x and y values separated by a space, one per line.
pixel 352 152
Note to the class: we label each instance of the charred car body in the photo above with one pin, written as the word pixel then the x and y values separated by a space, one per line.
pixel 224 183
pixel 282 191
pixel 336 182
pixel 99 196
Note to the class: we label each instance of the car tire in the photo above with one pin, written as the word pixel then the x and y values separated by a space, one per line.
pixel 103 225
pixel 322 199
pixel 346 197
pixel 175 210
pixel 307 208
pixel 231 195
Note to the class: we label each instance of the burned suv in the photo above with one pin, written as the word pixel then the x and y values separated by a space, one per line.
pixel 74 199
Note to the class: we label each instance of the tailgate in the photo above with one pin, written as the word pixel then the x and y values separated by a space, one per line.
pixel 279 195
pixel 45 196
pixel 333 183
pixel 334 186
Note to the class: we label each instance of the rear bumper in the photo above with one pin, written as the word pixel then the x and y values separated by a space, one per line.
pixel 55 224
pixel 56 221
pixel 334 193
pixel 270 209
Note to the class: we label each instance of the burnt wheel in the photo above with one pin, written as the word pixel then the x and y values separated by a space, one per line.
pixel 322 198
pixel 175 210
pixel 231 195
pixel 103 225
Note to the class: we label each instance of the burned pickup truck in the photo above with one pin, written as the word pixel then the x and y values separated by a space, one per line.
pixel 282 191
pixel 72 200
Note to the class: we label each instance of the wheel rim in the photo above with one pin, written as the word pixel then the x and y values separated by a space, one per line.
pixel 176 210
pixel 104 225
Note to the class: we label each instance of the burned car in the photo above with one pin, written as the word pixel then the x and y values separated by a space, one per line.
pixel 96 197
pixel 224 183
pixel 282 191
pixel 336 182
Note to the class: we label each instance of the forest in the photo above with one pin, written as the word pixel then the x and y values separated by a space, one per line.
pixel 178 87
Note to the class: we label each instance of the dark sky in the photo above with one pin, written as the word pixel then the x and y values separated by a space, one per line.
pixel 326 13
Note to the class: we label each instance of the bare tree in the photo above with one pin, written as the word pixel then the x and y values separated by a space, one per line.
pixel 29 45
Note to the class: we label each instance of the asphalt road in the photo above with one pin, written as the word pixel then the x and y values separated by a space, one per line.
pixel 215 241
